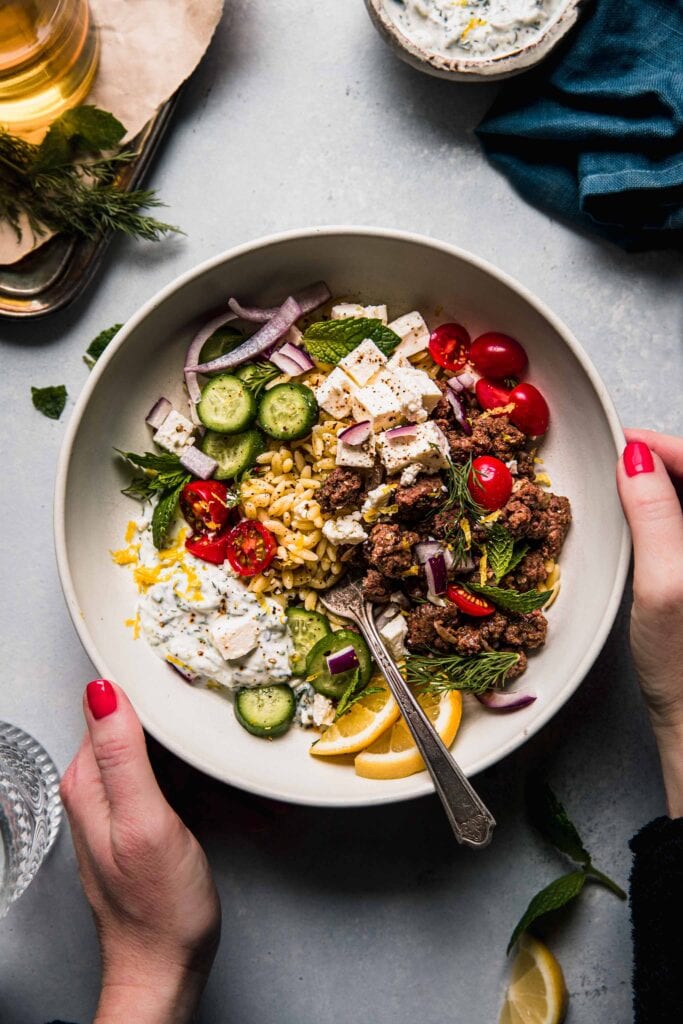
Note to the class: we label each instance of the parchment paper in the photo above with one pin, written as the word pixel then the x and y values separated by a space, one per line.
pixel 147 49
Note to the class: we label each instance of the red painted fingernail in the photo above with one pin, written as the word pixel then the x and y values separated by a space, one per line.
pixel 101 698
pixel 638 458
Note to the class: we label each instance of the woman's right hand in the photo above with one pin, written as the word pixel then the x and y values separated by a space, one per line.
pixel 645 477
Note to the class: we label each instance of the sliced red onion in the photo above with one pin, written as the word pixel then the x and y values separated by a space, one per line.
pixel 284 363
pixel 396 433
pixel 497 700
pixel 455 384
pixel 468 379
pixel 436 600
pixel 342 661
pixel 192 355
pixel 387 613
pixel 293 351
pixel 196 462
pixel 458 408
pixel 466 565
pixel 437 574
pixel 158 413
pixel 308 298
pixel 427 549
pixel 266 336
pixel 357 433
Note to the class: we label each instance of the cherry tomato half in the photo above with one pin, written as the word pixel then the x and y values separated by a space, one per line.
pixel 531 413
pixel 470 604
pixel 251 547
pixel 498 355
pixel 206 505
pixel 489 395
pixel 209 547
pixel 449 346
pixel 490 482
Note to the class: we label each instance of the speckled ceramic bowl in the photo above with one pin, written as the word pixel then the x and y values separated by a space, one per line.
pixel 408 272
pixel 468 69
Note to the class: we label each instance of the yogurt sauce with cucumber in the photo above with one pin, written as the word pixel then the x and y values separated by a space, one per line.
pixel 473 28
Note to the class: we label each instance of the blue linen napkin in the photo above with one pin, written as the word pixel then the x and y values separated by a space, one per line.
pixel 595 133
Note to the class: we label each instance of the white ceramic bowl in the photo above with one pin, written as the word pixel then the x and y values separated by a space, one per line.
pixel 407 272
pixel 472 69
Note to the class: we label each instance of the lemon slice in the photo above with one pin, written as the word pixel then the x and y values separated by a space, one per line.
pixel 365 720
pixel 537 993
pixel 394 755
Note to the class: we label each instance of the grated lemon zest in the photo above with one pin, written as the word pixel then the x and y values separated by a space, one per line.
pixel 465 527
pixel 131 530
pixel 483 566
pixel 472 23
pixel 134 624
pixel 126 556
pixel 492 516
pixel 543 480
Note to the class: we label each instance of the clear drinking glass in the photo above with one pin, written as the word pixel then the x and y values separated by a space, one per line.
pixel 30 810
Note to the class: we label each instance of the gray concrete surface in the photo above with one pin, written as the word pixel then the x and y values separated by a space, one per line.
pixel 299 115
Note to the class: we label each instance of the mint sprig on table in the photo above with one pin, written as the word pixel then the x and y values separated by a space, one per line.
pixel 163 478
pixel 50 400
pixel 511 600
pixel 328 341
pixel 548 815
pixel 68 182
pixel 98 344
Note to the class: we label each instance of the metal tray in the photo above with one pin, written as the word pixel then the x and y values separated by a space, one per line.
pixel 56 273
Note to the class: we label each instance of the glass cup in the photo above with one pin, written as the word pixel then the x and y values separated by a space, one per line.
pixel 30 810
pixel 48 59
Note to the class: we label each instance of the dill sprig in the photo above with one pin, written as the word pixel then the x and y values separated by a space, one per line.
pixel 474 672
pixel 462 505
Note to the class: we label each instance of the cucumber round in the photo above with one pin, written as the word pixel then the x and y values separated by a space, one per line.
pixel 317 672
pixel 306 629
pixel 223 339
pixel 288 412
pixel 233 452
pixel 265 710
pixel 227 405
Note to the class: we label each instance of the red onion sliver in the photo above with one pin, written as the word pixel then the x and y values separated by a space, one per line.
pixel 192 355
pixel 496 700
pixel 458 408
pixel 396 433
pixel 298 355
pixel 427 549
pixel 196 462
pixel 158 413
pixel 285 364
pixel 468 379
pixel 342 661
pixel 308 298
pixel 266 336
pixel 357 433
pixel 437 575
pixel 455 384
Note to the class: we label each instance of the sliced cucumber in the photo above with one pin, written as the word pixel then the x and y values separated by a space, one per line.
pixel 223 339
pixel 306 629
pixel 317 672
pixel 233 452
pixel 265 710
pixel 227 405
pixel 288 412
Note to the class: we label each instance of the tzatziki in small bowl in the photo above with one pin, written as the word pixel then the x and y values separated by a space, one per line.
pixel 470 40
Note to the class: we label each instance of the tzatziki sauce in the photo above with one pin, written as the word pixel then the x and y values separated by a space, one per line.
pixel 474 29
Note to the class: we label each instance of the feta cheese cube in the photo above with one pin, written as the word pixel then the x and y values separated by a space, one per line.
pixel 344 310
pixel 376 403
pixel 345 530
pixel 393 633
pixel 334 394
pixel 408 397
pixel 175 433
pixel 422 384
pixel 234 637
pixel 413 332
pixel 428 446
pixel 361 456
pixel 363 362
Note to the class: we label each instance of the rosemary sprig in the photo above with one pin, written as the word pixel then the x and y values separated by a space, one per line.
pixel 256 375
pixel 474 673
pixel 462 505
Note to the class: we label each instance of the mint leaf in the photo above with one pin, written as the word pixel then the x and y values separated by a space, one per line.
pixel 517 556
pixel 548 815
pixel 160 462
pixel 50 401
pixel 330 340
pixel 84 129
pixel 98 345
pixel 553 897
pixel 499 548
pixel 512 600
pixel 348 694
pixel 164 514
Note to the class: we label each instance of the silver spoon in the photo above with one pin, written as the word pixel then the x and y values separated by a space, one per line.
pixel 470 819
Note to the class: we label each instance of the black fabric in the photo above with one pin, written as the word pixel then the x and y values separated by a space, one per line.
pixel 657 916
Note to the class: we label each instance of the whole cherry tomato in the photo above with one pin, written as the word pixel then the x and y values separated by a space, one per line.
pixel 470 604
pixel 531 413
pixel 490 396
pixel 209 547
pixel 251 547
pixel 449 346
pixel 206 505
pixel 498 355
pixel 490 482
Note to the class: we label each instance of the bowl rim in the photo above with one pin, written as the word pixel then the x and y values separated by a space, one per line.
pixel 423 785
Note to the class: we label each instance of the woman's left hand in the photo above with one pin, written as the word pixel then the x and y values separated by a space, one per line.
pixel 145 876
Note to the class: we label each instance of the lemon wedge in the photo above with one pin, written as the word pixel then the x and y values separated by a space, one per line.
pixel 394 754
pixel 365 720
pixel 537 993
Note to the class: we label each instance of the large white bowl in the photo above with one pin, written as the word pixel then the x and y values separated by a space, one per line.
pixel 407 272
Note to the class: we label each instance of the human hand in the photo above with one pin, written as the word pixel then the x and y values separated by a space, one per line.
pixel 144 874
pixel 645 475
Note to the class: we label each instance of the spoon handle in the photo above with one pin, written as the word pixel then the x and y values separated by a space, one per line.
pixel 470 819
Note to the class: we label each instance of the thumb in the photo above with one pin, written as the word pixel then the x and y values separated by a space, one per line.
pixel 653 512
pixel 120 752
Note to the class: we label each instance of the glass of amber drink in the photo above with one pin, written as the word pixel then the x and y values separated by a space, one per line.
pixel 48 59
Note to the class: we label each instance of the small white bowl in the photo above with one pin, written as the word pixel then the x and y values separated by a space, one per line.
pixel 408 272
pixel 472 69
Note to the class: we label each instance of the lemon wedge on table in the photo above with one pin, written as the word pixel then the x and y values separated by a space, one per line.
pixel 365 720
pixel 537 993
pixel 394 754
